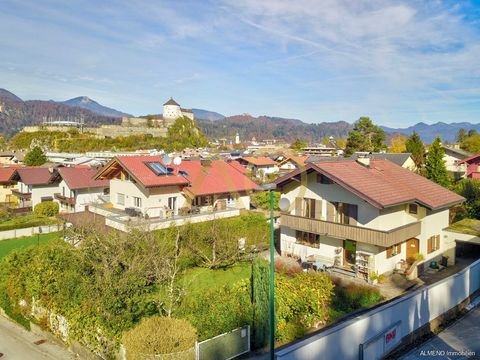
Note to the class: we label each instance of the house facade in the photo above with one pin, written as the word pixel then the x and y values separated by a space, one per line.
pixel 453 157
pixel 77 188
pixel 471 166
pixel 369 216
pixel 259 166
pixel 157 190
pixel 34 185
pixel 7 184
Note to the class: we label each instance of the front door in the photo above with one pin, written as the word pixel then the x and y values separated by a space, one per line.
pixel 350 252
pixel 412 250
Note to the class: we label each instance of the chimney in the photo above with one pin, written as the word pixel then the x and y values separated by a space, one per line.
pixel 364 160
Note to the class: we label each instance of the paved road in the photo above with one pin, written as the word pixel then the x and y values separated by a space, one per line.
pixel 459 341
pixel 18 344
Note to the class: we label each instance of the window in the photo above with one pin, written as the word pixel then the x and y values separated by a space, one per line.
pixel 137 202
pixel 172 203
pixel 120 199
pixel 346 213
pixel 309 208
pixel 433 243
pixel 394 250
pixel 308 239
pixel 322 179
pixel 413 208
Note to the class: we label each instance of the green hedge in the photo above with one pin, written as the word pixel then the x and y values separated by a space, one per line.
pixel 29 223
pixel 46 209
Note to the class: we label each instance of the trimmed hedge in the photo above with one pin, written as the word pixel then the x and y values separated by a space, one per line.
pixel 46 209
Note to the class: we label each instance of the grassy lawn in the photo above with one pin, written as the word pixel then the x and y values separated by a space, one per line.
pixel 467 226
pixel 198 278
pixel 7 246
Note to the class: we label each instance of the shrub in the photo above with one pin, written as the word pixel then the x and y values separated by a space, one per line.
pixel 215 311
pixel 262 200
pixel 352 297
pixel 160 335
pixel 46 209
pixel 287 267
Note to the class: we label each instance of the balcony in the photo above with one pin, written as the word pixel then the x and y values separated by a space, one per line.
pixel 357 233
pixel 64 199
pixel 22 195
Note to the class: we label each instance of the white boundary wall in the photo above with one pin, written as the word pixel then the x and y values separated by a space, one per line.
pixel 380 328
pixel 16 233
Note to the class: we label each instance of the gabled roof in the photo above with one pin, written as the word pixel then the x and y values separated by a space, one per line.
pixel 6 174
pixel 236 165
pixel 218 177
pixel 34 175
pixel 468 159
pixel 137 167
pixel 171 102
pixel 297 160
pixel 398 159
pixel 458 152
pixel 81 178
pixel 258 161
pixel 382 184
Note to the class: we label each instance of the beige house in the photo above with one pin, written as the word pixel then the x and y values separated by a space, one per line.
pixel 364 216
pixel 7 184
pixel 146 186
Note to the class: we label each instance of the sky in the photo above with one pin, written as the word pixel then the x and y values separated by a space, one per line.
pixel 398 62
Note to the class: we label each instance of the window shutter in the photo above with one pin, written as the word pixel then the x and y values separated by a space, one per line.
pixel 298 206
pixel 390 251
pixel 353 214
pixel 437 242
pixel 429 244
pixel 330 211
pixel 318 209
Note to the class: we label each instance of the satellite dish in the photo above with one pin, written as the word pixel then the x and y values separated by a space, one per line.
pixel 177 160
pixel 167 160
pixel 284 204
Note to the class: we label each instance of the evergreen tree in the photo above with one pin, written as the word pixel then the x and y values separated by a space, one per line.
pixel 35 157
pixel 415 146
pixel 260 299
pixel 365 136
pixel 435 168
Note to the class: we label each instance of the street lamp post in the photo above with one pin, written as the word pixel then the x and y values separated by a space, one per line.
pixel 284 205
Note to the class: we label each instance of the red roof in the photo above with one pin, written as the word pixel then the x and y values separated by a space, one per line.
pixel 137 167
pixel 259 161
pixel 216 178
pixel 469 159
pixel 6 174
pixel 81 178
pixel 34 175
pixel 382 184
pixel 239 167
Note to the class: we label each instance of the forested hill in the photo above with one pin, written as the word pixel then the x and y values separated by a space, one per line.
pixel 16 113
pixel 266 127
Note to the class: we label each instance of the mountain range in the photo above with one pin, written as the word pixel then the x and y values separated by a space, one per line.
pixel 16 113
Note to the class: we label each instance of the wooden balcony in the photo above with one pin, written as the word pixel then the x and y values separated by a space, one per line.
pixel 65 199
pixel 357 233
pixel 21 195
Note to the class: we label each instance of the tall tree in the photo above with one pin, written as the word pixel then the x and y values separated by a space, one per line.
pixel 415 146
pixel 35 157
pixel 471 143
pixel 435 168
pixel 365 136
pixel 461 135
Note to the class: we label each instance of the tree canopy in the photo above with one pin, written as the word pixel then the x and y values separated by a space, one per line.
pixel 414 145
pixel 185 133
pixel 35 157
pixel 298 144
pixel 365 136
pixel 435 168
pixel 398 144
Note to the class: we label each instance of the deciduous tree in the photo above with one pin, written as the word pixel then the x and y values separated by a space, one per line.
pixel 398 144
pixel 35 157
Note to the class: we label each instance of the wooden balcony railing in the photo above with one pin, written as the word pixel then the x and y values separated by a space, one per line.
pixel 22 195
pixel 357 233
pixel 65 199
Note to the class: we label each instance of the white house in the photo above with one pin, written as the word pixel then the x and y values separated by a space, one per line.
pixel 259 166
pixel 150 187
pixel 34 185
pixel 77 188
pixel 364 215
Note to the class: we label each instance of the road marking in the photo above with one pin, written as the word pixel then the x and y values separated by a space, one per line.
pixel 40 342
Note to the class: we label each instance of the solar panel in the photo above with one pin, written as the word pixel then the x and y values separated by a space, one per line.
pixel 157 168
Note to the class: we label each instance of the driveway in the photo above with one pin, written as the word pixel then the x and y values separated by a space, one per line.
pixel 16 343
pixel 459 341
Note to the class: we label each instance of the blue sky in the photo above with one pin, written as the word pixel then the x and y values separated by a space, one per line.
pixel 399 62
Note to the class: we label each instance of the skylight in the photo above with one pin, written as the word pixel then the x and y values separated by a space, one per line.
pixel 157 168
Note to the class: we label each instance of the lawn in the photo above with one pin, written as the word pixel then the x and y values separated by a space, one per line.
pixel 7 246
pixel 198 278
pixel 467 226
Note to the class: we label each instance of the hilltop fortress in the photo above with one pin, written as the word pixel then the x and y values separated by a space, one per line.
pixel 156 125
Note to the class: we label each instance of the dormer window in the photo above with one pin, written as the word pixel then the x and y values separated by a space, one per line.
pixel 413 209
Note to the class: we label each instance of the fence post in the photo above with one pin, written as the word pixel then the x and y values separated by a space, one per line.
pixel 197 351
